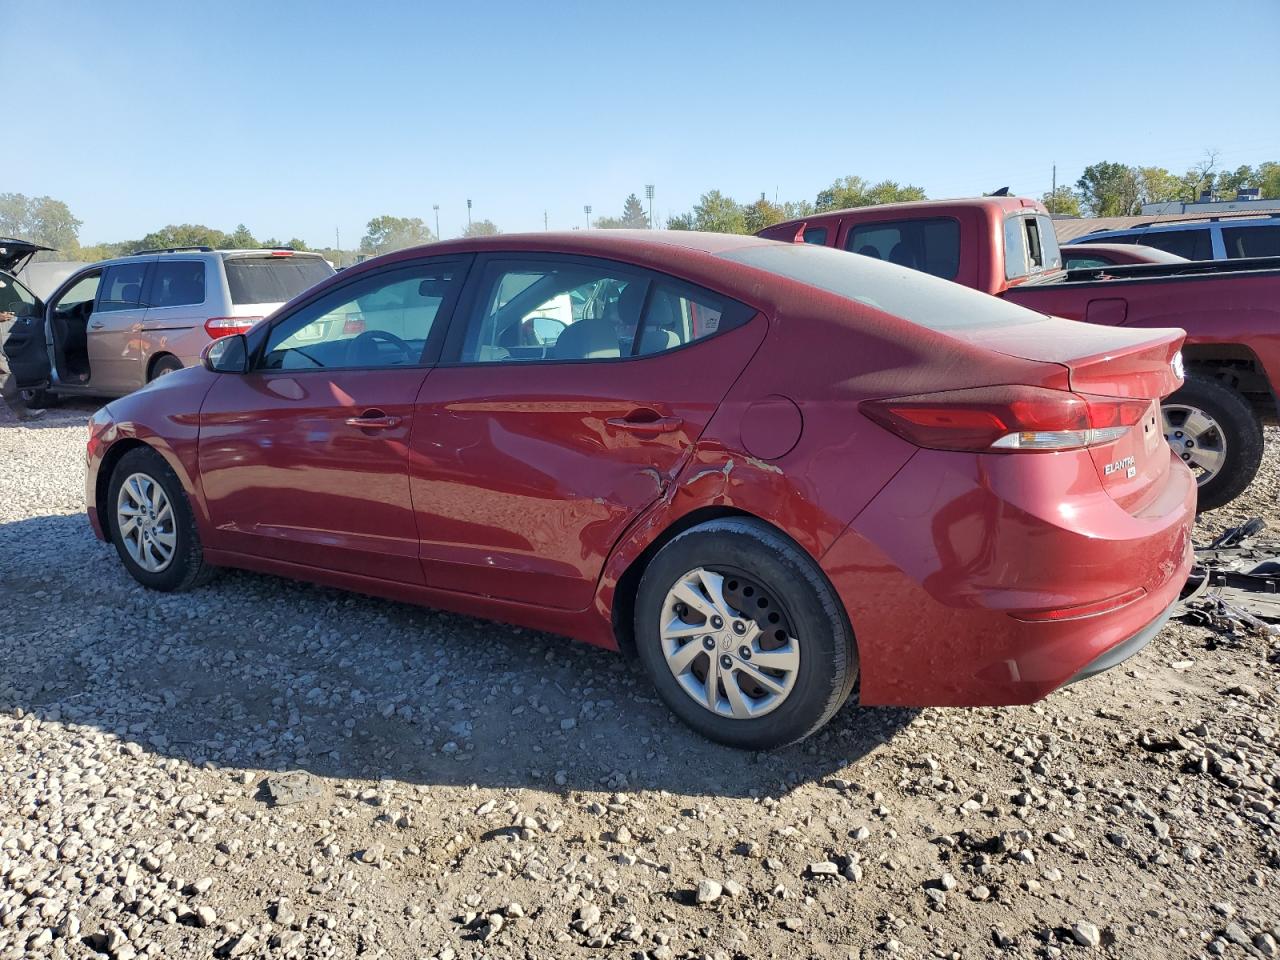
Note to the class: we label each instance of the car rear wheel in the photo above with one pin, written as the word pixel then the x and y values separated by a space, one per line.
pixel 1212 428
pixel 743 636
pixel 152 526
pixel 163 365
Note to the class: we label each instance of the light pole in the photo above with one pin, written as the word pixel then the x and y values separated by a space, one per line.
pixel 436 208
pixel 648 195
pixel 587 211
pixel 468 216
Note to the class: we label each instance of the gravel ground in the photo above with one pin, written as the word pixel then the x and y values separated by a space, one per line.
pixel 461 789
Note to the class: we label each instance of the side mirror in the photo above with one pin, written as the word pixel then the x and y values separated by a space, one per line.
pixel 229 354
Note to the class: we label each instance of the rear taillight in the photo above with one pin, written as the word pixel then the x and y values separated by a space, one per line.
pixel 217 327
pixel 1006 419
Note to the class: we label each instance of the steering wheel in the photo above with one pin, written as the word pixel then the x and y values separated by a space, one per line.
pixel 372 337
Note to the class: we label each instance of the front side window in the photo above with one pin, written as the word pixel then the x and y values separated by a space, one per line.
pixel 1244 242
pixel 932 246
pixel 178 283
pixel 79 293
pixel 383 320
pixel 563 310
pixel 122 286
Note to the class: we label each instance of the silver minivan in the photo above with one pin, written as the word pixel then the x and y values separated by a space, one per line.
pixel 114 326
pixel 1225 237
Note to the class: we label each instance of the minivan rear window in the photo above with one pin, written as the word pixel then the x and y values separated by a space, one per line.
pixel 926 301
pixel 273 279
pixel 1251 241
pixel 1194 244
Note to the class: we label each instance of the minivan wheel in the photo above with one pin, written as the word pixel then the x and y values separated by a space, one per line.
pixel 163 365
pixel 743 636
pixel 39 398
pixel 151 524
pixel 1214 431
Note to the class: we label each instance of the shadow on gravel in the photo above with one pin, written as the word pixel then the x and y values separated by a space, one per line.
pixel 258 673
pixel 69 413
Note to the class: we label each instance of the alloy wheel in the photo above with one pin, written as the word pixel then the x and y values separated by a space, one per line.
pixel 144 517
pixel 1197 438
pixel 728 643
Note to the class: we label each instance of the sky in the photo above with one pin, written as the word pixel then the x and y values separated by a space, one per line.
pixel 299 119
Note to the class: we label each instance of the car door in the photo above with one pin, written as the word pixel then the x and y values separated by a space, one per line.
pixel 541 441
pixel 305 458
pixel 176 299
pixel 113 334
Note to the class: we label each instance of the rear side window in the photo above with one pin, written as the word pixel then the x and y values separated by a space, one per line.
pixel 678 313
pixel 177 283
pixel 932 246
pixel 272 279
pixel 1251 241
pixel 816 235
pixel 1192 244
pixel 1084 262
pixel 927 302
pixel 122 286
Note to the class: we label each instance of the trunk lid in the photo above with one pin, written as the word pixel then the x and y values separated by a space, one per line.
pixel 1106 363
pixel 15 253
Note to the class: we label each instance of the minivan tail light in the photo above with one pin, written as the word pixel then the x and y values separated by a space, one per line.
pixel 1007 419
pixel 217 327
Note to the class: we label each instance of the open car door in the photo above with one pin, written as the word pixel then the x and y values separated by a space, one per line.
pixel 24 345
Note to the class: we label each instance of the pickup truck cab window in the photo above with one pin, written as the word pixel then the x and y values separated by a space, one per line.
pixel 931 246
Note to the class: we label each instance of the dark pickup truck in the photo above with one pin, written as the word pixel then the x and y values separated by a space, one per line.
pixel 1006 246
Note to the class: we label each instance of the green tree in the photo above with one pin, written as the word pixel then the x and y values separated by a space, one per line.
pixel 242 239
pixel 386 233
pixel 763 213
pixel 298 244
pixel 1269 179
pixel 185 235
pixel 1109 190
pixel 482 228
pixel 1158 185
pixel 1062 202
pixel 853 191
pixel 1230 184
pixel 794 209
pixel 716 213
pixel 633 215
pixel 681 221
pixel 42 220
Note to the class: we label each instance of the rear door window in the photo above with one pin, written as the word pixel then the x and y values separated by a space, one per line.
pixel 1192 244
pixel 122 287
pixel 932 246
pixel 1251 241
pixel 817 235
pixel 273 279
pixel 177 283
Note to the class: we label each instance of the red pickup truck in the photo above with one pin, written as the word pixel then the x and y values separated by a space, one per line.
pixel 1006 246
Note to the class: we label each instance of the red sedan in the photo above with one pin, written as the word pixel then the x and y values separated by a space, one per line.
pixel 772 471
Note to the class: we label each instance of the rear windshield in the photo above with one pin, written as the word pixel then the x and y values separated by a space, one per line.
pixel 897 290
pixel 273 279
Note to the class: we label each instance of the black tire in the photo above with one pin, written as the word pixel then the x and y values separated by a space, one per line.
pixel 40 399
pixel 828 663
pixel 1241 432
pixel 165 364
pixel 186 568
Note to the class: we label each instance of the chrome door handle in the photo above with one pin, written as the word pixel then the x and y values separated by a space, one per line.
pixel 97 326
pixel 646 428
pixel 374 423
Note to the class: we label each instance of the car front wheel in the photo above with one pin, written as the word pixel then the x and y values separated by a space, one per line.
pixel 743 636
pixel 152 525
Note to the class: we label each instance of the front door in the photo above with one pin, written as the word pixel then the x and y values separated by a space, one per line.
pixel 561 417
pixel 306 457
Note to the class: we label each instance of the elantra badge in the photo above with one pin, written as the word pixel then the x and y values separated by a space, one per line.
pixel 1127 465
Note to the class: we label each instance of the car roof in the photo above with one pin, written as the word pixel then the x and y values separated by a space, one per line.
pixel 196 253
pixel 1000 205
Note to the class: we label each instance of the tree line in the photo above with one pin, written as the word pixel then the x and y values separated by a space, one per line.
pixel 1104 189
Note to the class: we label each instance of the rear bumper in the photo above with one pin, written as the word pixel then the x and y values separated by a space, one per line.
pixel 1123 651
pixel 943 573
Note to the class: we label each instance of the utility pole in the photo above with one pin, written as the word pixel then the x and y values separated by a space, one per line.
pixel 1053 197
pixel 468 216
pixel 436 208
pixel 544 221
pixel 648 194
pixel 587 211
pixel 337 244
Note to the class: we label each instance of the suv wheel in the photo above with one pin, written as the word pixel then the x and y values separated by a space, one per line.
pixel 1213 429
pixel 743 636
